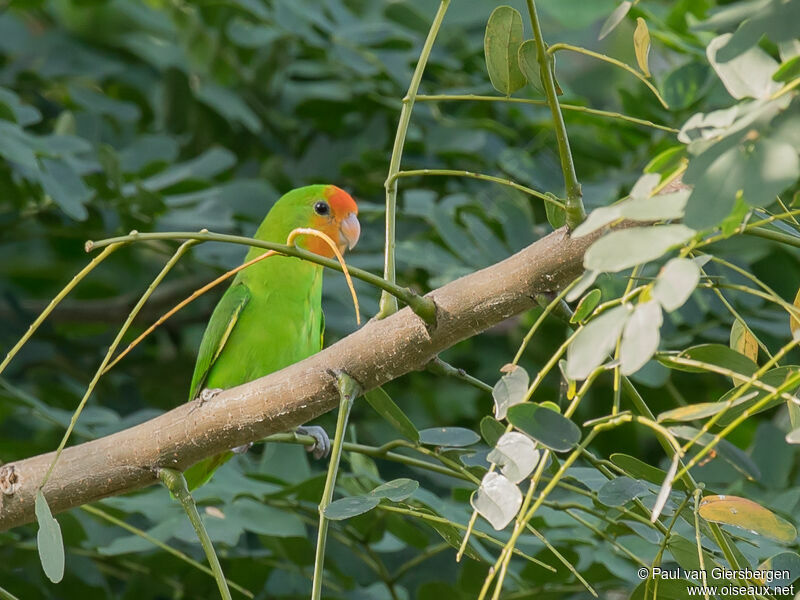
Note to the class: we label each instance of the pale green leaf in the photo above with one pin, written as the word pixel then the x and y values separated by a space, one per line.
pixel 641 45
pixel 625 248
pixel 501 46
pixel 510 390
pixel 676 282
pixel 49 542
pixel 592 344
pixel 497 500
pixel 640 337
pixel 516 455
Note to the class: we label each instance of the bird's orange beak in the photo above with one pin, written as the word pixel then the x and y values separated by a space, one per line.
pixel 349 232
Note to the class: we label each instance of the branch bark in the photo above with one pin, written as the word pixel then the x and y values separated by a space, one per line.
pixel 380 351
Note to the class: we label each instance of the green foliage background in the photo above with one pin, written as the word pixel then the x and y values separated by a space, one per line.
pixel 164 116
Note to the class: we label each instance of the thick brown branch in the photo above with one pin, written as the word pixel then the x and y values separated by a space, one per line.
pixel 378 352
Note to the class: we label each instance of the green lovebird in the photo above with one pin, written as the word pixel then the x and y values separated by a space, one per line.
pixel 271 315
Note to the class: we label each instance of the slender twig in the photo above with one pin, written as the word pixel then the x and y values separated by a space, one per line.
pixel 120 334
pixel 54 302
pixel 566 107
pixel 561 46
pixel 348 390
pixel 574 208
pixel 482 177
pixel 93 510
pixel 439 367
pixel 419 304
pixel 388 302
pixel 175 482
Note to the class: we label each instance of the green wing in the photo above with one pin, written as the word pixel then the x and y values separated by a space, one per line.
pixel 219 329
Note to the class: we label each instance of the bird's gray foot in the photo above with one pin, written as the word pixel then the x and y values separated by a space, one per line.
pixel 322 443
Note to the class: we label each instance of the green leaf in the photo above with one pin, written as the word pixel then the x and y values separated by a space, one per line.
pixel 453 536
pixel 775 378
pixel 587 304
pixel 641 45
pixel 620 491
pixel 516 454
pixel 511 389
pixel 491 430
pixel 614 19
pixel 396 490
pixel 793 437
pixel 49 542
pixel 556 216
pixel 675 283
pixel 640 337
pixel 788 70
pixel 749 515
pixel 641 470
pixel 730 453
pixel 65 187
pixel 749 75
pixel 547 427
pixel 345 508
pixel 714 355
pixel 497 500
pixel 626 248
pixel 701 410
pixel 785 561
pixel 501 45
pixel 529 65
pixel 383 404
pixel 592 344
pixel 683 85
pixel 456 437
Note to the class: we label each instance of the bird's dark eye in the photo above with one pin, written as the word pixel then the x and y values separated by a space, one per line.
pixel 322 208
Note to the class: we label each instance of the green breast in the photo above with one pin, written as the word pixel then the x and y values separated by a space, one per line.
pixel 280 325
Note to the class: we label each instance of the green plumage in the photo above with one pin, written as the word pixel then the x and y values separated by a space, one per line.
pixel 269 318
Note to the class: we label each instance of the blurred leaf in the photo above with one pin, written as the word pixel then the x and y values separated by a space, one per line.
pixel 640 337
pixel 456 437
pixel 615 18
pixel 641 45
pixel 622 249
pixel 641 470
pixel 749 75
pixel 675 283
pixel 775 378
pixel 501 45
pixel 794 324
pixel 383 404
pixel 592 344
pixel 396 490
pixel 497 500
pixel 715 355
pixel 683 85
pixel 65 187
pixel 545 426
pixel 346 508
pixel 620 491
pixel 733 455
pixel 511 389
pixel 516 455
pixel 793 437
pixel 666 488
pixel 49 542
pixel 778 564
pixel 749 515
pixel 585 307
pixel 701 410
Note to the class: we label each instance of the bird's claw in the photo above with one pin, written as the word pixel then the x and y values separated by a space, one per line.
pixel 322 443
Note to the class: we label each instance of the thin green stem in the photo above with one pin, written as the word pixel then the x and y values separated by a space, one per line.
pixel 561 46
pixel 54 302
pixel 566 107
pixel 112 348
pixel 92 510
pixel 421 305
pixel 418 559
pixel 482 177
pixel 388 302
pixel 348 390
pixel 5 595
pixel 574 208
pixel 701 559
pixel 175 482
